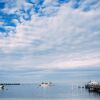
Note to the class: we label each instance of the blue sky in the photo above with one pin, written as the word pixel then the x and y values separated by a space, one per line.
pixel 49 34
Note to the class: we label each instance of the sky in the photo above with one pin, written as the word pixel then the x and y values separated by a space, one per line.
pixel 39 35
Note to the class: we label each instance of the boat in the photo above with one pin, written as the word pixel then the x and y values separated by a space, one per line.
pixel 91 84
pixel 1 86
pixel 45 84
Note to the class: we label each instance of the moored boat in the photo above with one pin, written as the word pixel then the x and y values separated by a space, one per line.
pixel 91 83
pixel 45 84
pixel 1 86
pixel 93 86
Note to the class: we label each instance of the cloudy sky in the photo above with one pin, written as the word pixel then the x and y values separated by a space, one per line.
pixel 49 34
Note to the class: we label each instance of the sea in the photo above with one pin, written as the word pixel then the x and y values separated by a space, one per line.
pixel 66 85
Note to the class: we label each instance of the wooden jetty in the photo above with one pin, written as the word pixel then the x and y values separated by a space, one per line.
pixel 9 84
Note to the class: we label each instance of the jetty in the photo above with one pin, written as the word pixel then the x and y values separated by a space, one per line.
pixel 9 84
pixel 93 86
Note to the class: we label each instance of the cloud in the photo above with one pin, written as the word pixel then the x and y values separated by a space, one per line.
pixel 54 39
pixel 73 63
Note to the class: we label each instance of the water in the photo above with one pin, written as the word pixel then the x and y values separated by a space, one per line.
pixel 65 87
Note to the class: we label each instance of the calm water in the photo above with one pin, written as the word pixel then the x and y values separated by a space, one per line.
pixel 65 87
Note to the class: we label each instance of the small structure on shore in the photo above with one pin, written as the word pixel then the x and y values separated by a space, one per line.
pixel 93 86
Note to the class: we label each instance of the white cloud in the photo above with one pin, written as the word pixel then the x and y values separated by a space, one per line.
pixel 68 64
pixel 69 32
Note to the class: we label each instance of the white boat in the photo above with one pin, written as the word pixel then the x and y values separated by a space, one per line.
pixel 1 86
pixel 45 84
pixel 93 83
